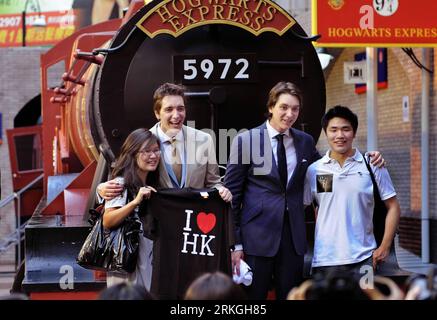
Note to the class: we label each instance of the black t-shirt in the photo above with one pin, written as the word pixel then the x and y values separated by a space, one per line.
pixel 194 235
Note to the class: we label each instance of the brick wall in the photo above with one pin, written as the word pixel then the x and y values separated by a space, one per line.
pixel 410 235
pixel 433 240
pixel 300 10
pixel 19 83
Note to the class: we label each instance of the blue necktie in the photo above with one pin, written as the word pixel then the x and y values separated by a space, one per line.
pixel 282 159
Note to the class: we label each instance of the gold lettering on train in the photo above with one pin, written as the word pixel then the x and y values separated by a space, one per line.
pixel 177 16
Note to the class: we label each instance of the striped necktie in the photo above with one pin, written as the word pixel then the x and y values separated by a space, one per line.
pixel 176 161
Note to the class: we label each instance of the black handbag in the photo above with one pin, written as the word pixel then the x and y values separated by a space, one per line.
pixel 111 250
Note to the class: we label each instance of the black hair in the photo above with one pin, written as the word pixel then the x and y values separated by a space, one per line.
pixel 214 286
pixel 339 284
pixel 126 164
pixel 340 112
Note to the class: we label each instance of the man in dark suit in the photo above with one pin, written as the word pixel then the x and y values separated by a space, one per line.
pixel 265 174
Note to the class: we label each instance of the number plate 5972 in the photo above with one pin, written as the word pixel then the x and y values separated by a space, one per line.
pixel 196 69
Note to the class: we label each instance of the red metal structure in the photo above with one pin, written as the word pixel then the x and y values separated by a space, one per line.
pixel 25 147
pixel 55 148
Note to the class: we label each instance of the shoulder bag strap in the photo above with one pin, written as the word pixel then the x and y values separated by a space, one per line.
pixel 372 176
pixel 380 210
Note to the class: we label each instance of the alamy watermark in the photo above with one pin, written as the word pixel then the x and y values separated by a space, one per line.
pixel 367 280
pixel 246 147
pixel 66 281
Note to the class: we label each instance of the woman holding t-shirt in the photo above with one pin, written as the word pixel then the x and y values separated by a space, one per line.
pixel 135 169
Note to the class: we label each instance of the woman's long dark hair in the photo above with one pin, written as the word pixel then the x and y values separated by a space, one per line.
pixel 126 163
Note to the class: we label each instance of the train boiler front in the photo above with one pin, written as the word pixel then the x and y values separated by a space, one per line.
pixel 228 54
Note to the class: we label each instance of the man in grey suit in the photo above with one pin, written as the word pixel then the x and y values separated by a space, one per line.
pixel 265 174
pixel 196 151
pixel 188 158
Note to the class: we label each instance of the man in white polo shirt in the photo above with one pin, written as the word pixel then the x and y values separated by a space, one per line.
pixel 341 186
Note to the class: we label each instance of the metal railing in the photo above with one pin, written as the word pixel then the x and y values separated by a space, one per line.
pixel 17 235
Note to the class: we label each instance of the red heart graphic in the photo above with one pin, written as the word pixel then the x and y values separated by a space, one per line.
pixel 206 222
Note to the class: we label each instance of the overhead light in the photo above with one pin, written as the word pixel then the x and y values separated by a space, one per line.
pixel 325 59
pixel 37 22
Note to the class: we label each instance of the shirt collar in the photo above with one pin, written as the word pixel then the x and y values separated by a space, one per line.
pixel 165 138
pixel 273 132
pixel 356 157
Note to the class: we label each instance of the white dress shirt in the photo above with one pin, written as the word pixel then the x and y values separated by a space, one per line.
pixel 290 150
